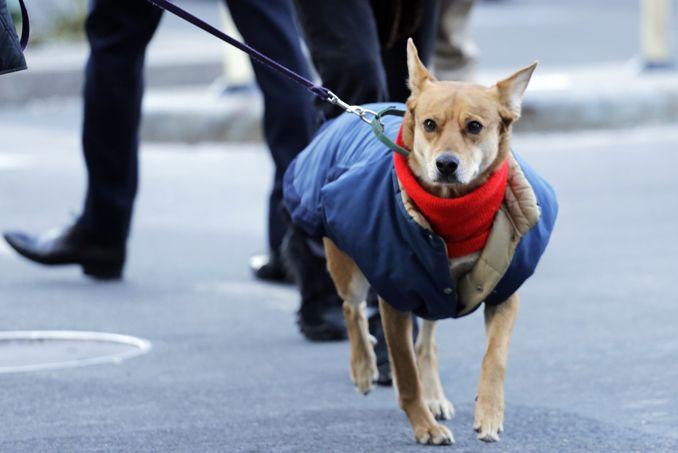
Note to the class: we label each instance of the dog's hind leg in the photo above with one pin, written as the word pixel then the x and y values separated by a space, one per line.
pixel 427 360
pixel 398 332
pixel 352 287
pixel 499 321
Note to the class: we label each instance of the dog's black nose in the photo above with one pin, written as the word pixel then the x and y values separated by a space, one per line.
pixel 447 164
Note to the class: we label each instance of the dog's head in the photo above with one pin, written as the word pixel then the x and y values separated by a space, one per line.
pixel 458 132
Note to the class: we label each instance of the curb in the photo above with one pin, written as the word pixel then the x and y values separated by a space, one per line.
pixel 604 98
pixel 58 69
pixel 201 115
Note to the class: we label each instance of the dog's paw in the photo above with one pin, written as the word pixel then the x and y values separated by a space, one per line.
pixel 489 420
pixel 435 434
pixel 441 408
pixel 363 374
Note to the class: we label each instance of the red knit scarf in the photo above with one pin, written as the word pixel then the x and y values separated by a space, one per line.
pixel 464 222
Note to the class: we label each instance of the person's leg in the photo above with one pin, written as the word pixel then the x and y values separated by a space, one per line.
pixel 118 32
pixel 395 57
pixel 395 64
pixel 344 44
pixel 289 122
pixel 289 116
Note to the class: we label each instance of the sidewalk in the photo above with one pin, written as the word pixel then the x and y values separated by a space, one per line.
pixel 182 106
pixel 57 70
pixel 569 91
pixel 611 96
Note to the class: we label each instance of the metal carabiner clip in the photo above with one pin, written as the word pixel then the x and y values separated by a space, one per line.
pixel 361 112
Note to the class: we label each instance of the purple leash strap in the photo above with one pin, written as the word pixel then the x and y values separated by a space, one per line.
pixel 25 26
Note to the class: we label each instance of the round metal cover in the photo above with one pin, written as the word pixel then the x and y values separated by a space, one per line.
pixel 35 350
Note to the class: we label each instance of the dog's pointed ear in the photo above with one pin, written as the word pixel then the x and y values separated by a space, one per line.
pixel 417 72
pixel 511 90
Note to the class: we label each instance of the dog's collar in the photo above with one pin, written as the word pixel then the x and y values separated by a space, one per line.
pixel 378 129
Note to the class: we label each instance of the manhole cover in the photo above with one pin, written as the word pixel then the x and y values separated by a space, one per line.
pixel 35 350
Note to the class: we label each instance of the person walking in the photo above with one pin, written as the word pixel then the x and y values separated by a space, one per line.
pixel 118 32
pixel 359 50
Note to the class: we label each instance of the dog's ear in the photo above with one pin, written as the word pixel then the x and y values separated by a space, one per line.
pixel 510 91
pixel 417 72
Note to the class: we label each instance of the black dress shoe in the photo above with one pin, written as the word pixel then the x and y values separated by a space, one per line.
pixel 270 268
pixel 71 245
pixel 322 319
pixel 320 316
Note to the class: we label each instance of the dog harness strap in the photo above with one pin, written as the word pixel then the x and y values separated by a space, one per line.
pixel 378 129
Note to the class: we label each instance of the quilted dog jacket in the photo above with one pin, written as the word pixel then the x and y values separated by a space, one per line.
pixel 344 186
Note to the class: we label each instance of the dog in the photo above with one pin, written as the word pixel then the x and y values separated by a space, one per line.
pixel 459 222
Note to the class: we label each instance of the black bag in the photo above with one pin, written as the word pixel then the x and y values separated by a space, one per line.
pixel 11 48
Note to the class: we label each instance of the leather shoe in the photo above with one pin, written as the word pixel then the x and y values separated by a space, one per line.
pixel 322 319
pixel 270 268
pixel 70 245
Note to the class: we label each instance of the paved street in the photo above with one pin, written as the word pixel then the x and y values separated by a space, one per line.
pixel 593 363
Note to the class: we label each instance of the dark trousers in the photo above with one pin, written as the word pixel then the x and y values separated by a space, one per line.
pixel 118 32
pixel 343 38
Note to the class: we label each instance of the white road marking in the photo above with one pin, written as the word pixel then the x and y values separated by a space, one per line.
pixel 139 346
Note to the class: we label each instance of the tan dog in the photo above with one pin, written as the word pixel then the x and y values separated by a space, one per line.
pixel 473 123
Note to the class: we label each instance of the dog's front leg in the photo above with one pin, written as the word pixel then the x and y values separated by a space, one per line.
pixel 427 360
pixel 499 321
pixel 398 331
pixel 352 287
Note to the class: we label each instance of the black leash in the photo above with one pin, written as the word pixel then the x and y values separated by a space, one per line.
pixel 318 90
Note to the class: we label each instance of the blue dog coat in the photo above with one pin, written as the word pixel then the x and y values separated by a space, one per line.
pixel 344 186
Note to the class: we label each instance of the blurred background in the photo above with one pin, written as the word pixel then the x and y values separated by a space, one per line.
pixel 594 361
pixel 590 47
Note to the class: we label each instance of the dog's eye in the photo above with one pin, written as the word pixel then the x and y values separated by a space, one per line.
pixel 430 125
pixel 474 127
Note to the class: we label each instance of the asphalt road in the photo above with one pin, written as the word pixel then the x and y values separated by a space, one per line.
pixel 593 362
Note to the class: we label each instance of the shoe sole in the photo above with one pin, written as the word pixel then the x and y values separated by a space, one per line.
pixel 103 271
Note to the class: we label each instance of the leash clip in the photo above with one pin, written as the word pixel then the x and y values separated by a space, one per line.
pixel 355 109
pixel 373 119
